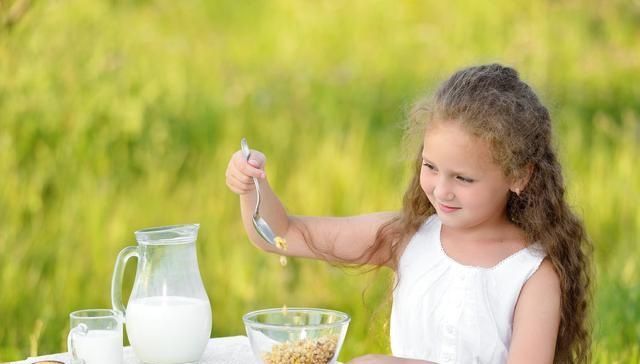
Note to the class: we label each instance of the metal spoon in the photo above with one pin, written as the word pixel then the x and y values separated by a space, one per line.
pixel 263 229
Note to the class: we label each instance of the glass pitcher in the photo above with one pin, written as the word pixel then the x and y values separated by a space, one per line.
pixel 168 317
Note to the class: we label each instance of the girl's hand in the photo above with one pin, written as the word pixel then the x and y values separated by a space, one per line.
pixel 376 359
pixel 240 171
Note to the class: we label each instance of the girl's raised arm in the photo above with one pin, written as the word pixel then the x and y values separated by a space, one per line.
pixel 336 239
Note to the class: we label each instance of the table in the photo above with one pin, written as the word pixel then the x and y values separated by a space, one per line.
pixel 221 350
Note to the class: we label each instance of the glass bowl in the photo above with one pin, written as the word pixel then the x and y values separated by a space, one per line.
pixel 296 335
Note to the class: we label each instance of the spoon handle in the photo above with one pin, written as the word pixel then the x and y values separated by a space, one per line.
pixel 246 152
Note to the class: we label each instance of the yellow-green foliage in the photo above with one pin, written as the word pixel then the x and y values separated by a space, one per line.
pixel 118 115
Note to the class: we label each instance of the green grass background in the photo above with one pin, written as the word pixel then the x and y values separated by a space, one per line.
pixel 119 115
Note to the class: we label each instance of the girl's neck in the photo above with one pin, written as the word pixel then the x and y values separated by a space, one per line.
pixel 499 230
pixel 485 245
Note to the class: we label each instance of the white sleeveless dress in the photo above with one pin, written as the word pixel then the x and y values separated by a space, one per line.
pixel 447 312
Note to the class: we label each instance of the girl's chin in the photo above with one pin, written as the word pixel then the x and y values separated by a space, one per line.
pixel 452 220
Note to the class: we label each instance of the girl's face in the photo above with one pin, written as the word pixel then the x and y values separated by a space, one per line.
pixel 466 187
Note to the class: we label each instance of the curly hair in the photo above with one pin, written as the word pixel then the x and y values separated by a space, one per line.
pixel 491 102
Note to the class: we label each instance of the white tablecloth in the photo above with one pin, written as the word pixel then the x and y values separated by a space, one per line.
pixel 222 350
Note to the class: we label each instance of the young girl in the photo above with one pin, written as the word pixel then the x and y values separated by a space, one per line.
pixel 491 264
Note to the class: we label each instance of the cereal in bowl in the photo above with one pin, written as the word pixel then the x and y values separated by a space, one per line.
pixel 308 351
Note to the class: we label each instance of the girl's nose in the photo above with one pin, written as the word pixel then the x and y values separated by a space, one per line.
pixel 443 192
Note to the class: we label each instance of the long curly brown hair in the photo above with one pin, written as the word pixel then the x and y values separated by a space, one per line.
pixel 493 103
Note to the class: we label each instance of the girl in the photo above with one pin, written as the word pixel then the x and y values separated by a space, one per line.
pixel 491 264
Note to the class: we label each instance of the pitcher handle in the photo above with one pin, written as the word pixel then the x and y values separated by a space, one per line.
pixel 116 282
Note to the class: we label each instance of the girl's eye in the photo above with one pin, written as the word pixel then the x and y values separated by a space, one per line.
pixel 464 179
pixel 429 165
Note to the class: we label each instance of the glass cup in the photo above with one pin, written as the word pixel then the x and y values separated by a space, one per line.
pixel 95 337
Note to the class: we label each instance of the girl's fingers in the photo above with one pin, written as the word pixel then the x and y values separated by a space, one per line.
pixel 239 180
pixel 240 172
pixel 253 168
pixel 257 159
pixel 240 190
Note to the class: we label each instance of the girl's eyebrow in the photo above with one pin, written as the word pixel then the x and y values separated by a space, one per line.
pixel 425 159
pixel 456 173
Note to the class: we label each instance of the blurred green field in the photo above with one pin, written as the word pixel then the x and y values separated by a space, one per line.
pixel 119 115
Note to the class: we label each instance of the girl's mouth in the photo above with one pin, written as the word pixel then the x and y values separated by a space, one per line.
pixel 447 209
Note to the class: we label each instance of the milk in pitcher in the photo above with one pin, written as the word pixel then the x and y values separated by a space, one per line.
pixel 168 329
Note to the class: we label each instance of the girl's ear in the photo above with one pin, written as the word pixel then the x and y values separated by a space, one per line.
pixel 521 180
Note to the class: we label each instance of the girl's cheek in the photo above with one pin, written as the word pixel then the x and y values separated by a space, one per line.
pixel 425 183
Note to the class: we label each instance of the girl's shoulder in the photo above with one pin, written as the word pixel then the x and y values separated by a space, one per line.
pixel 424 239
